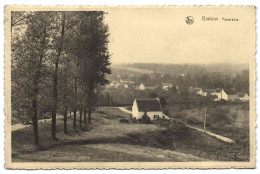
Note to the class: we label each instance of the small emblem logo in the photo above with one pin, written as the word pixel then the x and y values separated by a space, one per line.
pixel 189 20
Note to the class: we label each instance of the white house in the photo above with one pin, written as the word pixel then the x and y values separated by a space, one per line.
pixel 143 87
pixel 152 107
pixel 226 94
pixel 221 94
pixel 140 87
pixel 243 97
pixel 232 95
pixel 199 91
pixel 166 86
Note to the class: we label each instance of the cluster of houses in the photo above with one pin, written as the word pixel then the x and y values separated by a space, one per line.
pixel 121 83
pixel 220 94
pixel 215 94
pixel 140 86
pixel 151 86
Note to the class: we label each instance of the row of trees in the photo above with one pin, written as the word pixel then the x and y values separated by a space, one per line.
pixel 59 59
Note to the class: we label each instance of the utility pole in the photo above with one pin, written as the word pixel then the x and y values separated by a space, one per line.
pixel 205 119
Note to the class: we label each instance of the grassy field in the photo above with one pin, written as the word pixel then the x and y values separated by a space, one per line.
pixel 106 139
pixel 231 121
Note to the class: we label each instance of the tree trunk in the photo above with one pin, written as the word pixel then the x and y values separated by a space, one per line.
pixel 36 92
pixel 74 119
pixel 76 98
pixel 90 94
pixel 55 81
pixel 70 114
pixel 85 116
pixel 89 116
pixel 80 117
pixel 65 119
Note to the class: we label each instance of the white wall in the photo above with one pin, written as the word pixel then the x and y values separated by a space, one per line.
pixel 233 97
pixel 134 110
pixel 139 115
pixel 222 95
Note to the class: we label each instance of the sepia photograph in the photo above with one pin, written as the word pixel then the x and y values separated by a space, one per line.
pixel 130 87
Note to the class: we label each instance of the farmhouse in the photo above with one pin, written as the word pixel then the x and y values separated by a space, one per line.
pixel 221 94
pixel 226 94
pixel 140 87
pixel 232 95
pixel 243 97
pixel 152 108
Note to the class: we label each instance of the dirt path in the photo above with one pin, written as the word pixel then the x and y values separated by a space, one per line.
pixel 19 126
pixel 222 138
pixel 148 152
pixel 125 110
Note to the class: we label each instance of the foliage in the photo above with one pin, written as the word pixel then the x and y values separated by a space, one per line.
pixel 59 61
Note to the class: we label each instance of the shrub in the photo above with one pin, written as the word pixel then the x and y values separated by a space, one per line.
pixel 245 107
pixel 134 120
pixel 218 117
pixel 145 119
pixel 180 132
pixel 123 121
pixel 192 120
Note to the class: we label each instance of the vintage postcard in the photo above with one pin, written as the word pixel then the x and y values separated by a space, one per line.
pixel 148 87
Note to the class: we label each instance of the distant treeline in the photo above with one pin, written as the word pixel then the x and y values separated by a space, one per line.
pixel 202 76
pixel 175 69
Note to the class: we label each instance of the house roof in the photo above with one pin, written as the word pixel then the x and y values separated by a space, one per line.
pixel 208 90
pixel 218 90
pixel 146 105
pixel 230 91
pixel 242 94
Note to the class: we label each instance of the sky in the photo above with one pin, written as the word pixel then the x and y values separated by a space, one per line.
pixel 152 35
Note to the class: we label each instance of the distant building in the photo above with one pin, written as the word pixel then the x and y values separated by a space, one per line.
pixel 114 84
pixel 125 85
pixel 226 94
pixel 194 90
pixel 199 91
pixel 208 92
pixel 243 97
pixel 221 94
pixel 232 95
pixel 140 87
pixel 143 87
pixel 166 86
pixel 152 108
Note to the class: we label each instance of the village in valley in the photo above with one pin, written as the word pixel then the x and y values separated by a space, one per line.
pixel 72 104
pixel 149 84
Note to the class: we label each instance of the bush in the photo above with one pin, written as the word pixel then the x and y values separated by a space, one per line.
pixel 180 132
pixel 218 117
pixel 123 121
pixel 192 120
pixel 145 119
pixel 134 120
pixel 245 106
pixel 162 122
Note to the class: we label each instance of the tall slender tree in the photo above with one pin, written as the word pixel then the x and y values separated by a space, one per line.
pixel 55 75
